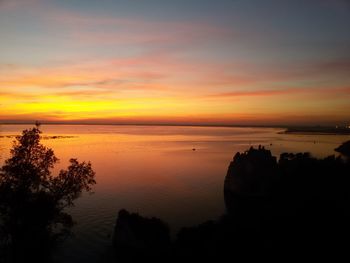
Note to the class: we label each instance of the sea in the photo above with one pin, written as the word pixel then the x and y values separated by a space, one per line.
pixel 175 173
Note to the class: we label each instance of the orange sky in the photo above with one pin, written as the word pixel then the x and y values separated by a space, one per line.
pixel 63 63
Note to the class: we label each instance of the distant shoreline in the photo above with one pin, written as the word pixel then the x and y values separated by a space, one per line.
pixel 297 130
pixel 317 131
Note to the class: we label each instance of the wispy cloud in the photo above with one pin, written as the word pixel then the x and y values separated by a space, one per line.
pixel 316 92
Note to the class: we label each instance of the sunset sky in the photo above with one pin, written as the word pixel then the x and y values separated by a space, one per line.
pixel 194 62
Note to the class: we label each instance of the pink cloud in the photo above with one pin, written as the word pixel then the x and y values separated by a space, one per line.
pixel 314 91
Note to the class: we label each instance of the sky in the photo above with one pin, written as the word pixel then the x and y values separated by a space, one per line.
pixel 231 62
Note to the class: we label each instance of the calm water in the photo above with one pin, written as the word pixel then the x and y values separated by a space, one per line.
pixel 154 171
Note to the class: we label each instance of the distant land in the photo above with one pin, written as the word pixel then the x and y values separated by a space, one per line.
pixel 287 129
pixel 318 130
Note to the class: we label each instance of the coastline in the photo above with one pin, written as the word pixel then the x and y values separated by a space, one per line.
pixel 317 131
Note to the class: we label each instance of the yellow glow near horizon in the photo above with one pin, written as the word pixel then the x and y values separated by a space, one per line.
pixel 190 109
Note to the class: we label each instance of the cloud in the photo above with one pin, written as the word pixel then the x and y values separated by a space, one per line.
pixel 251 93
pixel 92 29
pixel 336 65
pixel 329 92
pixel 160 73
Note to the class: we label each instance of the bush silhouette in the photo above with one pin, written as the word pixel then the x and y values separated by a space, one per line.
pixel 32 203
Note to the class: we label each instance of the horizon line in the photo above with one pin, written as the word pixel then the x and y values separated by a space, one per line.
pixel 163 124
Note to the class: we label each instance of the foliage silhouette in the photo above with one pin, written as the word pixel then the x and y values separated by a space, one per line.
pixel 32 217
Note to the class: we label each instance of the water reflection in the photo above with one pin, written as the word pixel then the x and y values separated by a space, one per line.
pixel 153 171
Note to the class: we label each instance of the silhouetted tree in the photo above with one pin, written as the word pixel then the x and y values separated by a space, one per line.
pixel 32 202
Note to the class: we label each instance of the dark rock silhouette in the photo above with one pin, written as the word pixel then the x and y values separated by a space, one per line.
pixel 32 203
pixel 344 149
pixel 138 238
pixel 293 208
pixel 298 205
pixel 250 177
